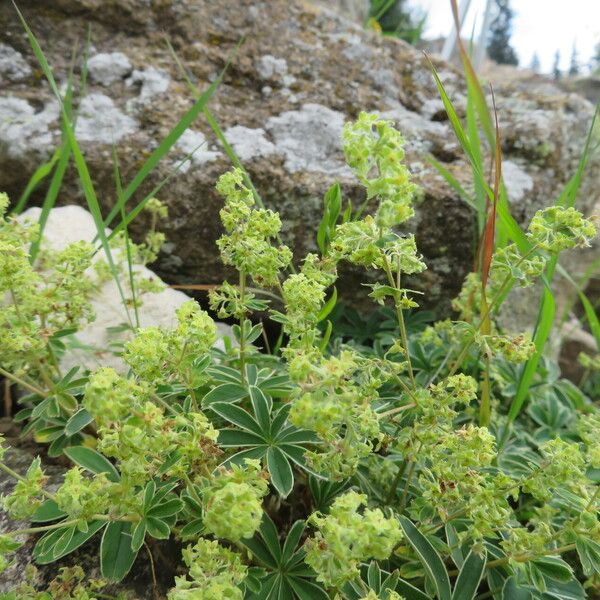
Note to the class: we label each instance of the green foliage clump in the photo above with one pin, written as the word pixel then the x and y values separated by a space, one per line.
pixel 380 463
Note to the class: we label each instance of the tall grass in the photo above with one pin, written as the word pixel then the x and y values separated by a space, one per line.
pixel 479 122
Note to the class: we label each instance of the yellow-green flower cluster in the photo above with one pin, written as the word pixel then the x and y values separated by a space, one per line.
pixel 556 228
pixel 215 573
pixel 374 150
pixel 304 295
pixel 109 397
pixel 81 497
pixel 588 428
pixel 517 348
pixel 365 243
pixel 40 302
pixel 247 244
pixel 142 442
pixel 457 476
pixel 157 355
pixel 346 537
pixel 233 501
pixel 563 467
pixel 509 261
pixel 334 400
pixel 26 496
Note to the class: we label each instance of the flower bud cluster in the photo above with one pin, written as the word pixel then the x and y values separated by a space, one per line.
pixel 42 300
pixel 249 231
pixel 374 150
pixel 26 496
pixel 157 355
pixel 556 228
pixel 216 573
pixel 334 400
pixel 348 536
pixel 233 501
pixel 109 397
pixel 81 497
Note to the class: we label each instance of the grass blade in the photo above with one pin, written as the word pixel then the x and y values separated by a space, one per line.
pixel 38 176
pixel 119 187
pixel 82 169
pixel 168 142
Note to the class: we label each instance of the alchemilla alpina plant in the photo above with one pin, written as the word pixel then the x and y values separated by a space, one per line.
pixel 321 468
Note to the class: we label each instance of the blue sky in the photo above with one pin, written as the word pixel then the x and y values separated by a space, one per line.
pixel 541 26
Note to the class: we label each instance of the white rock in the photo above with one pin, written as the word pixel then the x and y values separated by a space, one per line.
pixel 69 224
pixel 249 143
pixel 100 120
pixel 516 180
pixel 153 83
pixel 310 139
pixel 270 67
pixel 107 67
pixel 22 129
pixel 195 143
pixel 13 67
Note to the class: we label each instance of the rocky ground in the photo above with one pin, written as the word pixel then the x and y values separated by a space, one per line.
pixel 301 72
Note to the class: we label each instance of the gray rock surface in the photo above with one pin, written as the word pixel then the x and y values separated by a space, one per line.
pixel 282 102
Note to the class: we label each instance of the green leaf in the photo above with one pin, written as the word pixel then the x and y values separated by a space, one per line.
pixel 307 590
pixel 430 559
pixel 157 528
pixel 43 550
pixel 409 591
pixel 167 509
pixel 282 476
pixel 238 416
pixel 292 540
pixel 192 529
pixel 149 492
pixel 469 577
pixel 543 328
pixel 63 541
pixel 116 553
pixel 513 591
pixel 239 457
pixel 554 567
pixel 93 461
pixel 227 392
pixel 374 575
pixel 589 555
pixel 328 306
pixel 137 535
pixel 48 511
pixel 78 421
pixel 234 438
pixel 268 532
pixel 38 176
pixel 262 408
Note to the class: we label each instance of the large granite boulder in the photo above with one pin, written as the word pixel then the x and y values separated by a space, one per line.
pixel 301 72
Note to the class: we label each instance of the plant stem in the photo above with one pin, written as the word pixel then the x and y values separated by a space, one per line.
pixel 398 409
pixel 243 328
pixel 399 316
pixel 23 383
pixel 396 481
pixel 18 477
pixel 495 301
pixel 409 476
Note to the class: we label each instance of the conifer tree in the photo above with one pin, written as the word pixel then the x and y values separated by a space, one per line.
pixel 535 62
pixel 574 64
pixel 498 47
pixel 556 66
